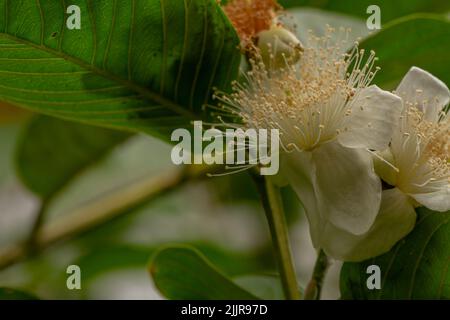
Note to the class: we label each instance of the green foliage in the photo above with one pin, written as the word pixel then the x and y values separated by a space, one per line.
pixel 184 273
pixel 267 287
pixel 419 40
pixel 416 268
pixel 14 294
pixel 136 65
pixel 8 136
pixel 51 152
pixel 389 9
pixel 104 257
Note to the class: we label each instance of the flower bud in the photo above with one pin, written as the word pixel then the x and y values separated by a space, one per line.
pixel 278 47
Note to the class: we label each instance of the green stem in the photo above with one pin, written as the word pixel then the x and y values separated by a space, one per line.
pixel 273 207
pixel 40 216
pixel 314 289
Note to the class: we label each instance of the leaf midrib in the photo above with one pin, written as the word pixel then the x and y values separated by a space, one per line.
pixel 105 74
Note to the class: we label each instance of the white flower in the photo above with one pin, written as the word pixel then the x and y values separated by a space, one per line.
pixel 420 148
pixel 416 164
pixel 329 118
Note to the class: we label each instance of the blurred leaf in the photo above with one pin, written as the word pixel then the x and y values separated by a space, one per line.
pixel 101 260
pixel 420 40
pixel 389 9
pixel 8 137
pixel 137 65
pixel 102 257
pixel 184 273
pixel 234 263
pixel 14 294
pixel 267 287
pixel 301 20
pixel 51 152
pixel 416 268
pixel 292 206
pixel 235 188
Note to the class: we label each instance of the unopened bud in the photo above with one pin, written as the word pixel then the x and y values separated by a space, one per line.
pixel 278 47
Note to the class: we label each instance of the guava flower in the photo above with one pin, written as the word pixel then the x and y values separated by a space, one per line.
pixel 420 148
pixel 330 120
pixel 416 165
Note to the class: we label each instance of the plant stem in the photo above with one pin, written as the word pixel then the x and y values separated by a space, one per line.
pixel 314 288
pixel 98 212
pixel 40 217
pixel 273 207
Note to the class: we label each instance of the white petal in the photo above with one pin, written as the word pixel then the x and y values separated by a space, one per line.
pixel 348 190
pixel 435 195
pixel 430 93
pixel 406 158
pixel 384 165
pixel 375 114
pixel 394 221
pixel 300 171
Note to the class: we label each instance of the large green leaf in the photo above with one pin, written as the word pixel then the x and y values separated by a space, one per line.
pixel 51 152
pixel 419 40
pixel 184 273
pixel 389 9
pixel 142 65
pixel 418 267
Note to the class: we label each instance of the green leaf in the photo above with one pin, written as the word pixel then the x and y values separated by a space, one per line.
pixel 141 65
pixel 389 9
pixel 14 294
pixel 416 268
pixel 420 40
pixel 267 287
pixel 102 256
pixel 51 152
pixel 113 257
pixel 8 137
pixel 184 273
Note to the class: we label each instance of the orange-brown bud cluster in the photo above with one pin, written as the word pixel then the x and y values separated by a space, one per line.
pixel 249 17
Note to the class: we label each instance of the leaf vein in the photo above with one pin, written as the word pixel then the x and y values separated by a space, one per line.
pixel 164 43
pixel 63 2
pixel 71 92
pixel 86 102
pixel 200 62
pixel 108 46
pixel 130 41
pixel 214 71
pixel 41 15
pixel 183 54
pixel 94 31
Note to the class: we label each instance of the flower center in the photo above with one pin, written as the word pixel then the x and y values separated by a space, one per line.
pixel 433 142
pixel 308 102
